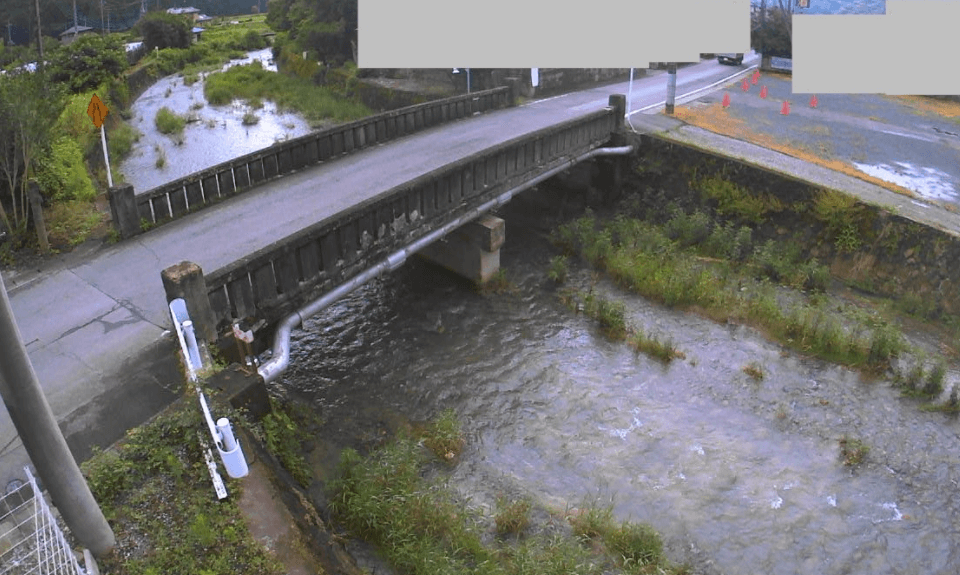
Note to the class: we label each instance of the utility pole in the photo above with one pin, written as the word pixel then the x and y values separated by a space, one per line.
pixel 75 20
pixel 39 35
pixel 671 86
pixel 763 33
pixel 45 444
pixel 101 18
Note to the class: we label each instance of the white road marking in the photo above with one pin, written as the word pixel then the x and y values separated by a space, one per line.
pixel 690 95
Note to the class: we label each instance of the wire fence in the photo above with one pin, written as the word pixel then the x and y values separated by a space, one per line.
pixel 32 540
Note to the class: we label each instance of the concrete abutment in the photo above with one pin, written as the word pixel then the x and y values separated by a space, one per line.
pixel 472 251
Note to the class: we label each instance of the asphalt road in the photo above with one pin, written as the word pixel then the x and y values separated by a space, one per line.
pixel 95 322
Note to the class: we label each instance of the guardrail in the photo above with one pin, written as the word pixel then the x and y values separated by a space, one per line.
pixel 267 283
pixel 198 190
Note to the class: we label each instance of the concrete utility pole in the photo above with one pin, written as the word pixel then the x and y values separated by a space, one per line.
pixel 45 444
pixel 39 36
pixel 671 86
pixel 75 19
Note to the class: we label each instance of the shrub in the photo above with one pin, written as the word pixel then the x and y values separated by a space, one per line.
pixel 934 384
pixel 558 269
pixel 62 174
pixel 169 123
pixel 250 119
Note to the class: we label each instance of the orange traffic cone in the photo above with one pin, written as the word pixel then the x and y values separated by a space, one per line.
pixel 756 76
pixel 763 92
pixel 745 85
pixel 726 100
pixel 813 101
pixel 785 110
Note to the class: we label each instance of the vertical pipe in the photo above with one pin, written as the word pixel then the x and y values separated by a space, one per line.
pixel 671 86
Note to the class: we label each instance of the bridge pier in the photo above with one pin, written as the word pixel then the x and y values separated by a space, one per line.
pixel 472 251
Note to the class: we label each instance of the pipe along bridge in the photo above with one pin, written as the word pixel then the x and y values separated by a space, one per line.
pixel 258 300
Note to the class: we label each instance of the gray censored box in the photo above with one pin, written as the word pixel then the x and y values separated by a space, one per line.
pixel 905 47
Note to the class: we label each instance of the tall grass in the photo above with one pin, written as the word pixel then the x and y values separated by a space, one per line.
pixel 251 81
pixel 666 264
pixel 167 122
pixel 421 528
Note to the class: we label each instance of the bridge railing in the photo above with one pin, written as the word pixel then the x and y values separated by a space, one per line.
pixel 201 189
pixel 271 282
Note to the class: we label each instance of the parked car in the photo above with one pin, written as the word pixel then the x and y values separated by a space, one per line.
pixel 730 59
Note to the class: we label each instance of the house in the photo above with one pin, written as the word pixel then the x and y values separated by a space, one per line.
pixel 68 35
pixel 196 33
pixel 192 13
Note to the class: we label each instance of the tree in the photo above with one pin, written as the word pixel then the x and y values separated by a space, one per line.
pixel 89 62
pixel 771 29
pixel 30 105
pixel 164 30
pixel 327 27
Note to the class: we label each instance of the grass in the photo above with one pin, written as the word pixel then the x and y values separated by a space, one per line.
pixel 121 141
pixel 70 223
pixel 251 82
pixel 512 517
pixel 169 123
pixel 284 441
pixel 444 437
pixel 853 451
pixel 557 271
pixel 161 160
pixel 421 528
pixel 641 257
pixel 249 119
pixel 155 491
pixel 664 351
pixel 754 370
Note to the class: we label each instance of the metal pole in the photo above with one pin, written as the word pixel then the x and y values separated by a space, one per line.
pixel 468 80
pixel 106 156
pixel 45 444
pixel 629 92
pixel 671 86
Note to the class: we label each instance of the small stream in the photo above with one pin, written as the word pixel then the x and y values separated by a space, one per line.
pixel 213 135
pixel 739 476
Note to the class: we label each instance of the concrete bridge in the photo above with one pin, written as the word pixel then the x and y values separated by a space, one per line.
pixel 271 290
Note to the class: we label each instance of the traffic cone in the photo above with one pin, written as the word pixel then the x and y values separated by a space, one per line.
pixel 726 100
pixel 745 85
pixel 756 76
pixel 785 110
pixel 763 92
pixel 813 101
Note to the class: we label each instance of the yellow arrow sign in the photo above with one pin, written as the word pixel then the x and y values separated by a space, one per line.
pixel 97 111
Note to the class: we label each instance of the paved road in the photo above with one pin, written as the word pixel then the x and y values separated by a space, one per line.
pixel 95 321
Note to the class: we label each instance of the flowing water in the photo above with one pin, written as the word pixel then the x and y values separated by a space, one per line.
pixel 739 476
pixel 213 135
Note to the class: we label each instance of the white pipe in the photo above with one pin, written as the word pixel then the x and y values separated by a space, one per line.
pixel 280 360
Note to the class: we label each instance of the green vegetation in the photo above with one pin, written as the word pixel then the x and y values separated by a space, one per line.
pixel 558 269
pixel 249 119
pixel 88 63
pixel 326 29
pixel 641 257
pixel 169 123
pixel 121 141
pixel 160 29
pixel 853 451
pixel 283 440
pixel 656 348
pixel 735 201
pixel 609 314
pixel 512 517
pixel 155 491
pixel 61 173
pixel 444 437
pixel 70 222
pixel 251 81
pixel 420 527
pixel 754 370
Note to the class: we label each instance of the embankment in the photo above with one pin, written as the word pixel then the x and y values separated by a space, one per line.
pixel 868 247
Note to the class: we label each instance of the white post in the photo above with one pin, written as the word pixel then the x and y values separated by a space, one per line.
pixel 106 156
pixel 468 80
pixel 629 92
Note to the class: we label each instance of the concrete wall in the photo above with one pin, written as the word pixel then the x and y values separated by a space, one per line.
pixel 201 189
pixel 274 281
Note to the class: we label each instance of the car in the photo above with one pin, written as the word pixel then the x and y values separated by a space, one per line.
pixel 730 59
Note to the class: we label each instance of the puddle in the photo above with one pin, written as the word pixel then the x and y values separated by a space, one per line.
pixel 930 183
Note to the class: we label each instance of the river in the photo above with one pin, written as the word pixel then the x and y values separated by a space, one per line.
pixel 739 476
pixel 215 134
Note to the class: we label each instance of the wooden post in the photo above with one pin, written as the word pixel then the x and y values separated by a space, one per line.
pixel 36 205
